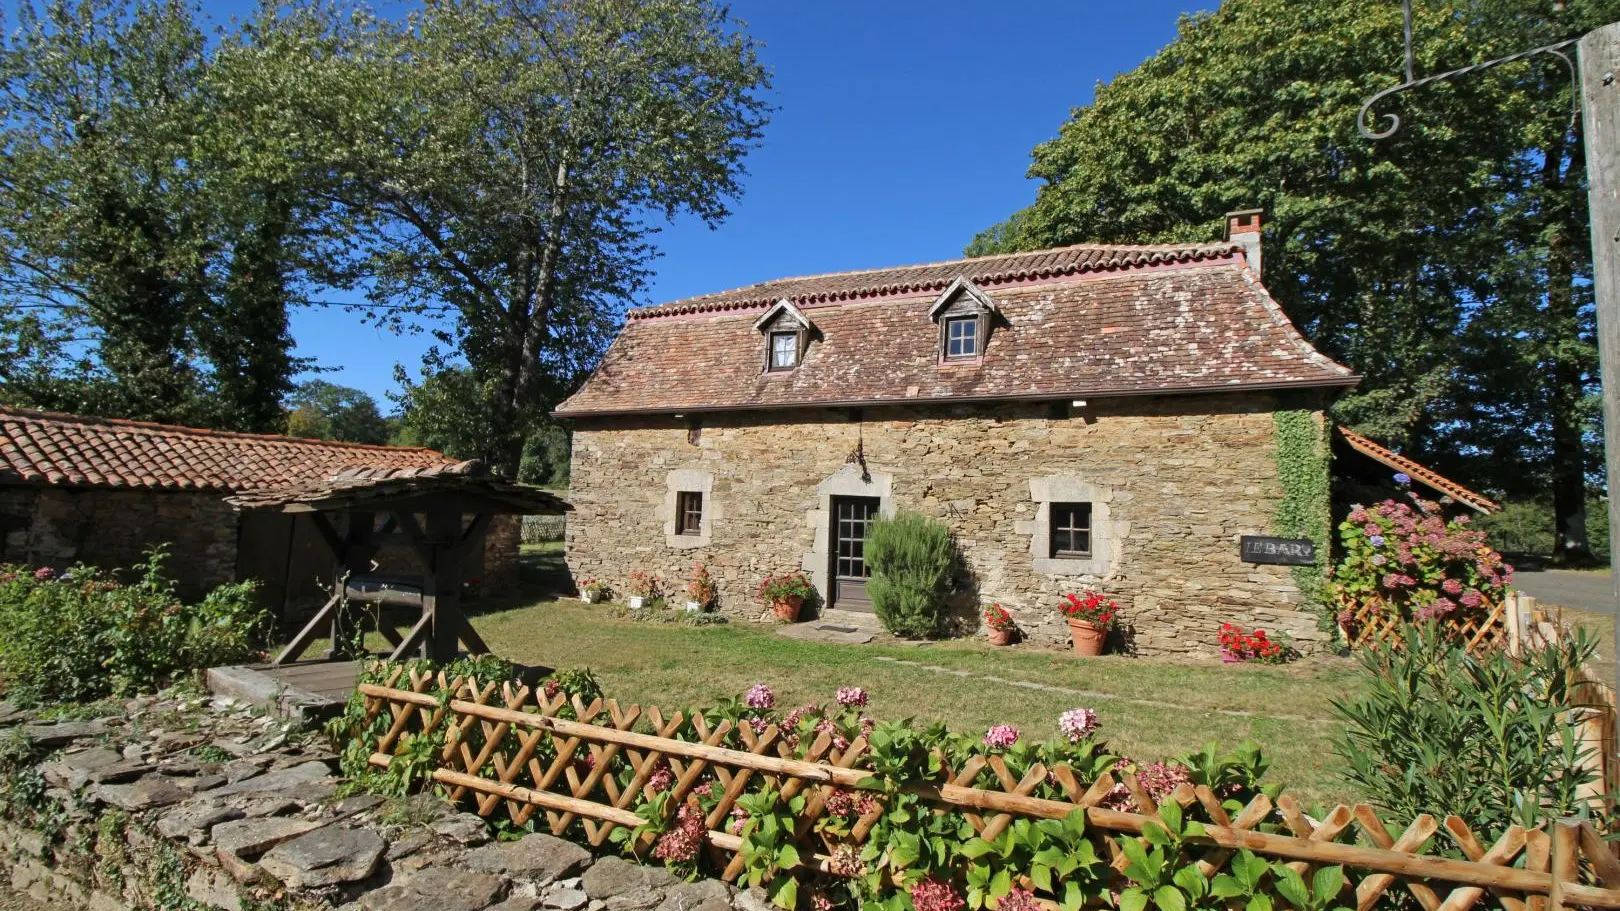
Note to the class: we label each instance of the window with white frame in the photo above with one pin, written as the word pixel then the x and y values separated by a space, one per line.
pixel 784 350
pixel 962 337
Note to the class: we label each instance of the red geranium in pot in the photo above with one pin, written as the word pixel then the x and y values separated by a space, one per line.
pixel 786 594
pixel 1090 618
pixel 1000 624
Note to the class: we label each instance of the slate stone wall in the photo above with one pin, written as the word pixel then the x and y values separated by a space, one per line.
pixel 114 529
pixel 1176 481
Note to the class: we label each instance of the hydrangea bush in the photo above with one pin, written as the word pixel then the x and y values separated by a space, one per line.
pixel 1405 556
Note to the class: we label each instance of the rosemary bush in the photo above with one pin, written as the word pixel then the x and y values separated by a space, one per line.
pixel 1490 738
pixel 910 557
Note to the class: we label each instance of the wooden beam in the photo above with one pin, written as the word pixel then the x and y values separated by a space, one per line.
pixel 311 630
pixel 441 595
pixel 329 534
pixel 476 528
pixel 413 639
pixel 469 636
pixel 418 538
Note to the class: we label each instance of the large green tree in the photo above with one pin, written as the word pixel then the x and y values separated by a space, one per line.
pixel 147 253
pixel 326 411
pixel 1445 264
pixel 511 160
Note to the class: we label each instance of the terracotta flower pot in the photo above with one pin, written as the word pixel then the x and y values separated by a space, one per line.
pixel 1088 637
pixel 787 609
pixel 1000 636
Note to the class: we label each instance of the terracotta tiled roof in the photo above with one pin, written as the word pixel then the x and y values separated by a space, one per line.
pixel 1072 322
pixel 39 447
pixel 1035 265
pixel 1417 472
pixel 354 487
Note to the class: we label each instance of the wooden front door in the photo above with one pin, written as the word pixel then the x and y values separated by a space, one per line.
pixel 851 516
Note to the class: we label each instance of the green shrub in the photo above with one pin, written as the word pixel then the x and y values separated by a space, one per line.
pixel 82 634
pixel 228 627
pixel 1490 738
pixel 910 557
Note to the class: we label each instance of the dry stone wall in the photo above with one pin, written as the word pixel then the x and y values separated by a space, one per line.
pixel 115 528
pixel 182 802
pixel 1175 481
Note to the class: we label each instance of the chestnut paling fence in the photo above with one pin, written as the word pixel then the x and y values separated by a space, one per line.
pixel 1374 621
pixel 506 749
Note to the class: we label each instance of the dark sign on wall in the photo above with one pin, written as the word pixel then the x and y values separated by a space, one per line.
pixel 1287 551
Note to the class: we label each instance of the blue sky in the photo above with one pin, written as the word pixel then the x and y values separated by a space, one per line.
pixel 902 129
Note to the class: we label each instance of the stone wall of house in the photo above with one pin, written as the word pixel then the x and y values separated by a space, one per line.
pixel 115 529
pixel 1174 482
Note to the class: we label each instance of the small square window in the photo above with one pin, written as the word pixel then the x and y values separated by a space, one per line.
pixel 689 512
pixel 784 350
pixel 962 337
pixel 1071 530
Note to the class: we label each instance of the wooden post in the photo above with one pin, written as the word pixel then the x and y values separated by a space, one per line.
pixel 1566 861
pixel 442 593
pixel 1599 86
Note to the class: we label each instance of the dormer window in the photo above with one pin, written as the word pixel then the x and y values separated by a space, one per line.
pixel 784 350
pixel 962 336
pixel 787 333
pixel 965 315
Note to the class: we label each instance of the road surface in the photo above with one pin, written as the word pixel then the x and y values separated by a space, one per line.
pixel 1584 591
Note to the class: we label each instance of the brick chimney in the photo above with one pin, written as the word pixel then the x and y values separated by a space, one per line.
pixel 1243 229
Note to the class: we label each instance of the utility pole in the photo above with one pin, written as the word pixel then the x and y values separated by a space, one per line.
pixel 1599 85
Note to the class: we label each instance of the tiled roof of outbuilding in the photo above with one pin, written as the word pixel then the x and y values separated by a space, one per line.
pixel 1421 473
pixel 38 447
pixel 1072 322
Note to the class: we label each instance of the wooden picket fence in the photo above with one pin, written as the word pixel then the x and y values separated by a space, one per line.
pixel 1373 621
pixel 507 749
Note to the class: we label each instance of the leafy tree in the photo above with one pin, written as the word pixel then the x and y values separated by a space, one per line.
pixel 141 236
pixel 510 159
pixel 1445 264
pixel 326 411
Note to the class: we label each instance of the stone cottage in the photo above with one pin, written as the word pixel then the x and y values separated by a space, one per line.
pixel 104 492
pixel 1087 416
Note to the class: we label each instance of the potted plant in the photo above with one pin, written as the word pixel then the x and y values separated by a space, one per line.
pixel 643 587
pixel 786 594
pixel 1000 624
pixel 1090 618
pixel 593 590
pixel 700 589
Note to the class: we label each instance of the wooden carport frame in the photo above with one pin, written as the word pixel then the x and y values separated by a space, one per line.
pixel 443 496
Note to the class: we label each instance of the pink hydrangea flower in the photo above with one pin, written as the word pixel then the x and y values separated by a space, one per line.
pixel 851 696
pixel 681 842
pixel 759 696
pixel 935 895
pixel 1452 587
pixel 1078 724
pixel 1001 736
pixel 44 574
pixel 661 780
pixel 1018 900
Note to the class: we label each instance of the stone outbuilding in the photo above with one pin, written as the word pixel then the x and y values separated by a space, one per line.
pixel 1084 417
pixel 104 491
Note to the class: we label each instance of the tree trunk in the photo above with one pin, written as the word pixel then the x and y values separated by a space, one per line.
pixel 1566 378
pixel 524 363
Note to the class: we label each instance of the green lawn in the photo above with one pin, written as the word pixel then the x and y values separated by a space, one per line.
pixel 1151 708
